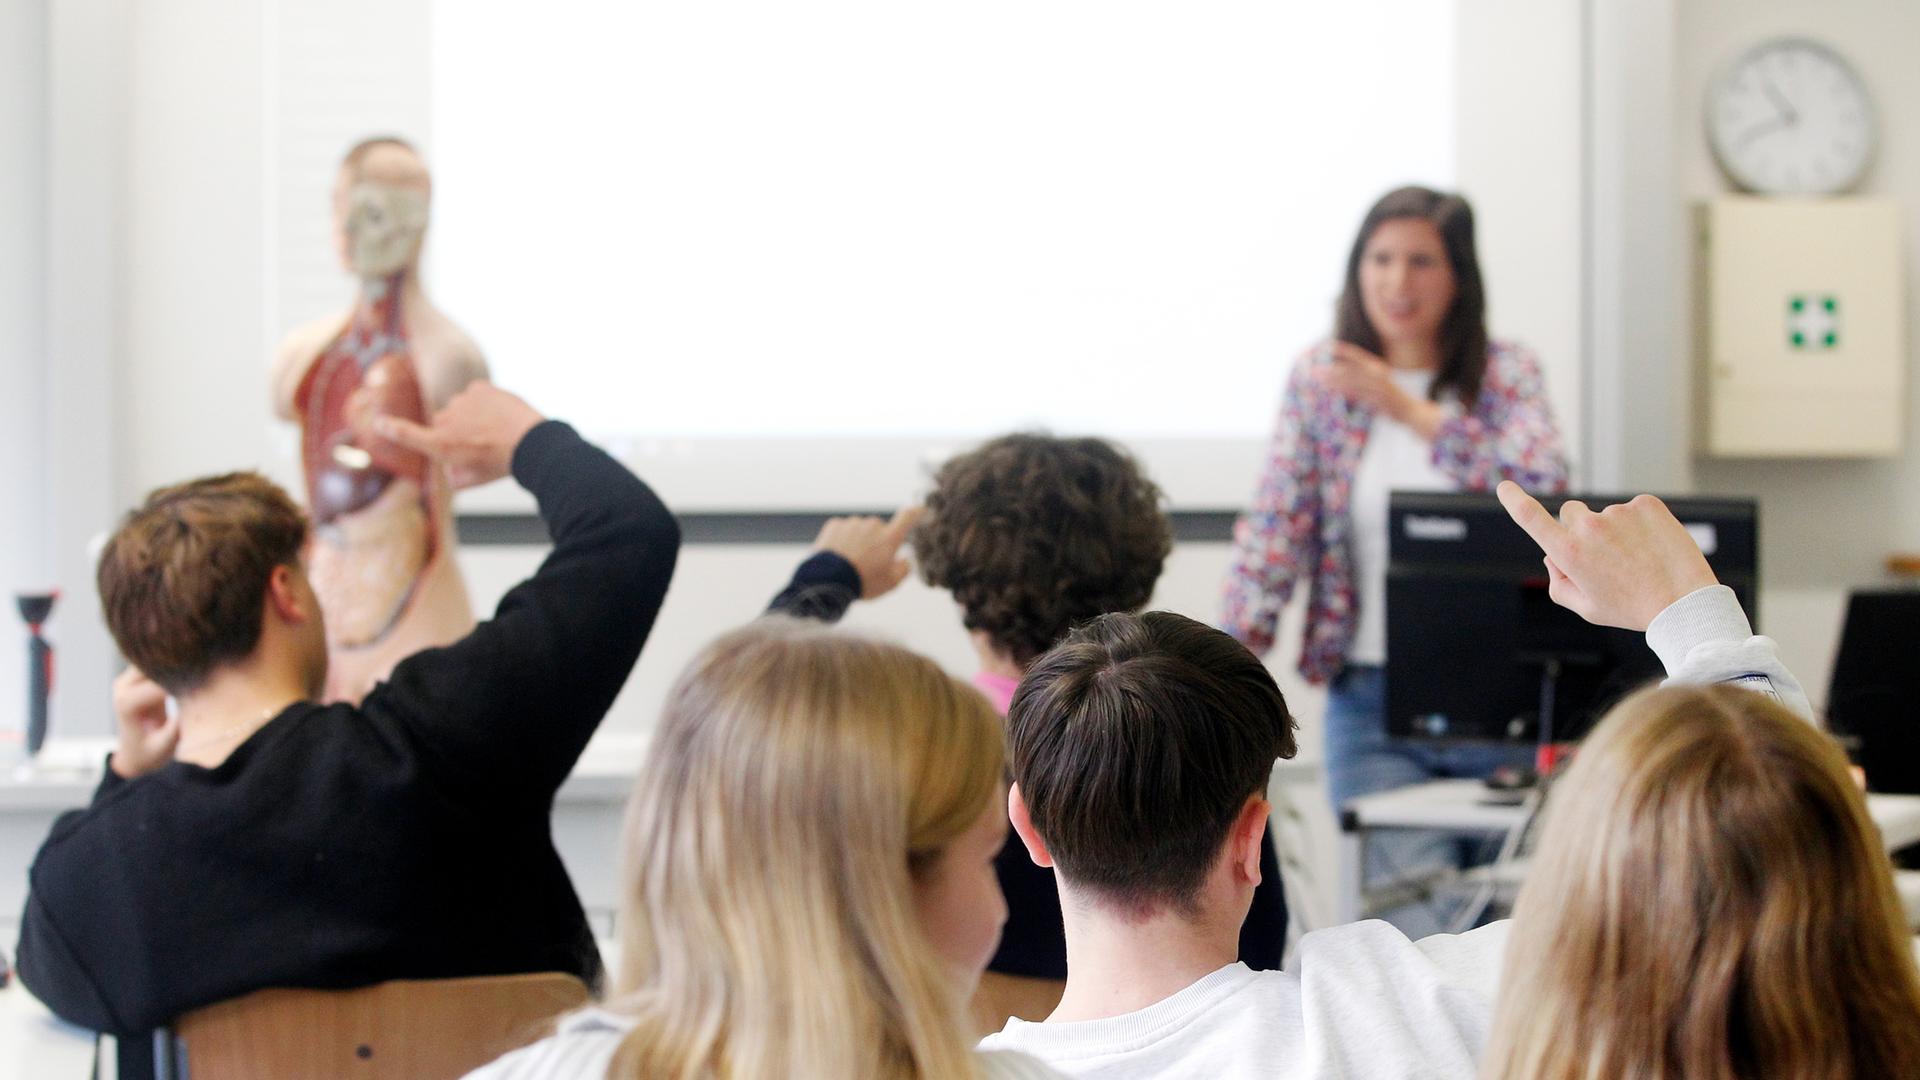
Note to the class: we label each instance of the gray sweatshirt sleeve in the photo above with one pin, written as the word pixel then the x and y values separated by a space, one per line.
pixel 1704 637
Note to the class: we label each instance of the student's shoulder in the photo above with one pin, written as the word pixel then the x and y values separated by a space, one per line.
pixel 583 1046
pixel 1358 955
pixel 1014 1065
pixel 1469 961
pixel 290 765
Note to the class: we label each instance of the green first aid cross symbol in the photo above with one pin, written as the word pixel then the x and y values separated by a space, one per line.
pixel 1813 321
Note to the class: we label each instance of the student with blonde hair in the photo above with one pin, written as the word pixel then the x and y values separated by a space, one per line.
pixel 810 884
pixel 1711 902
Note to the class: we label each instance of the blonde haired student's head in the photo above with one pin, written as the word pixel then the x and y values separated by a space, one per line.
pixel 1710 902
pixel 810 886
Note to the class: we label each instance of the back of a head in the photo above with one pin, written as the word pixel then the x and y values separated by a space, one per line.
pixel 1135 743
pixel 1710 901
pixel 1035 534
pixel 183 582
pixel 799 779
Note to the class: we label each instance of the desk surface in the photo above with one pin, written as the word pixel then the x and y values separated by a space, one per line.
pixel 69 769
pixel 1461 805
pixel 32 1043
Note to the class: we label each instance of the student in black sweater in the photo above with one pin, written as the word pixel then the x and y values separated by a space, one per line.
pixel 259 839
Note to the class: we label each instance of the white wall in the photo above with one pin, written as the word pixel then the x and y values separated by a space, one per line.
pixel 1636 381
pixel 191 372
pixel 87 152
pixel 1826 526
pixel 1518 100
pixel 23 422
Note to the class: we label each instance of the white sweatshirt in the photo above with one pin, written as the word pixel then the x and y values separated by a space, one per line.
pixel 1704 637
pixel 1362 1002
pixel 584 1044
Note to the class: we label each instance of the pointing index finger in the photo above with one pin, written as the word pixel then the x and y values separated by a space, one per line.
pixel 417 437
pixel 1526 512
pixel 902 523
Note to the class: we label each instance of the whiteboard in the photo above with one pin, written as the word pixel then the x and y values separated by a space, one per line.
pixel 788 255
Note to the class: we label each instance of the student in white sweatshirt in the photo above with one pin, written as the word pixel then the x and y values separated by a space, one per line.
pixel 1140 749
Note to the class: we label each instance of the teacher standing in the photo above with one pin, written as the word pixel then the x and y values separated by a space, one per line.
pixel 1411 394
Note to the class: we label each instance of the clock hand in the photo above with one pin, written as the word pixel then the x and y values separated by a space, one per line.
pixel 1759 130
pixel 1780 103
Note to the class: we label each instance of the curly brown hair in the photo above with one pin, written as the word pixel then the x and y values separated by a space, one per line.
pixel 1035 535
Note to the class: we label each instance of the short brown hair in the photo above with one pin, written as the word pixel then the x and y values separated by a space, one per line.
pixel 1035 534
pixel 1135 742
pixel 183 581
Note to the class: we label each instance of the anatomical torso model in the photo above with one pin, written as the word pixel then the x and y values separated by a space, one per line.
pixel 382 559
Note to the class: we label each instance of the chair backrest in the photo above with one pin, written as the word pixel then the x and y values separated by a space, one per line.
pixel 416 1029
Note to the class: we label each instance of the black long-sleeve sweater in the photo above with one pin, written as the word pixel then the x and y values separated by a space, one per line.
pixel 405 838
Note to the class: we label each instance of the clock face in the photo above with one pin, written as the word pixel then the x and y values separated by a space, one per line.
pixel 1790 117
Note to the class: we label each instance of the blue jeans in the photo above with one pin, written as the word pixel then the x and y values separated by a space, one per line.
pixel 1362 760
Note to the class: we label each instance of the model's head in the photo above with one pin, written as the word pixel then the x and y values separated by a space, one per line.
pixel 205 574
pixel 1709 900
pixel 381 202
pixel 1413 278
pixel 810 887
pixel 1141 748
pixel 1034 535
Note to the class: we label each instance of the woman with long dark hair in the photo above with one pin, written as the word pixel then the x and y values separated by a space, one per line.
pixel 1410 394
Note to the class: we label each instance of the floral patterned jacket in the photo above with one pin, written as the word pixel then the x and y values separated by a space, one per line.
pixel 1300 524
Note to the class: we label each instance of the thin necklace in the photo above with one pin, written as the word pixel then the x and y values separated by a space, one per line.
pixel 216 736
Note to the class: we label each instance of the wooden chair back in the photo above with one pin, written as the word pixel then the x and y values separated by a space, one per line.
pixel 416 1029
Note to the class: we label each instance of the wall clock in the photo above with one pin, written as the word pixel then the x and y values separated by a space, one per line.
pixel 1791 117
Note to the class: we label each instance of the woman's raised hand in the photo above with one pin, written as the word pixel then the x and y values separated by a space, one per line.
pixel 1366 379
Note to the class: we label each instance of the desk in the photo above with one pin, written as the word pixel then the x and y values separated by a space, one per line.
pixel 32 1043
pixel 1461 806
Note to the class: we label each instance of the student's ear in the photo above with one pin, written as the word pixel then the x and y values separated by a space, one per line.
pixel 1023 826
pixel 287 597
pixel 1248 833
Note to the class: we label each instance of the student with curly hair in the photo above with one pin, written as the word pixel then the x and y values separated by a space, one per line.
pixel 1033 536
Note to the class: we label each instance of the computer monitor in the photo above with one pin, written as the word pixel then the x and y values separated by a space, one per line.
pixel 1476 650
pixel 1871 697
